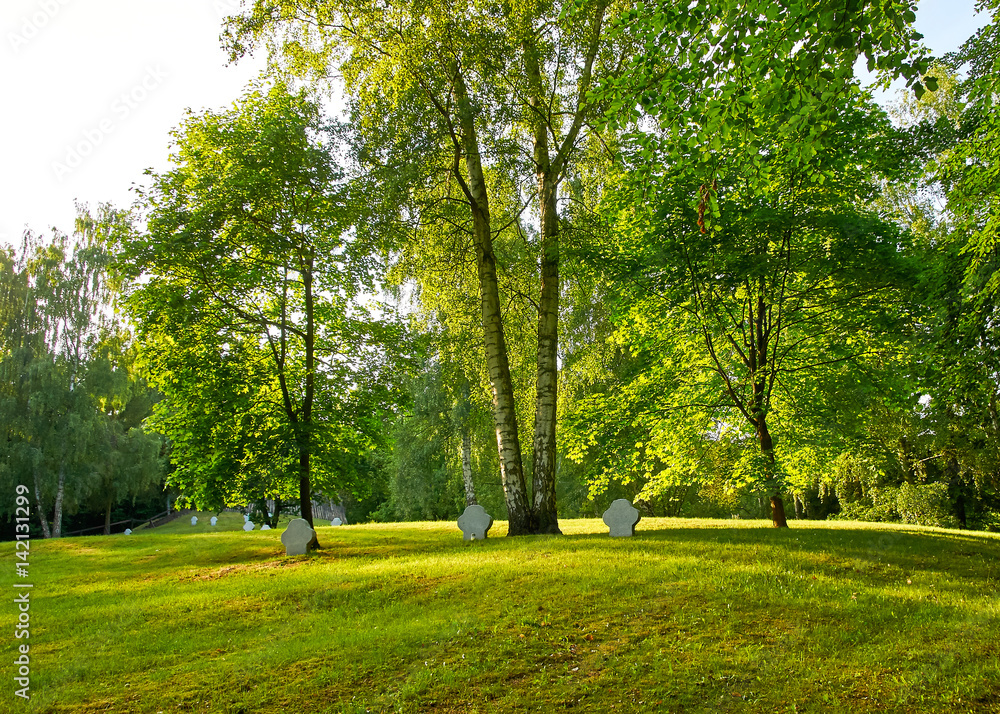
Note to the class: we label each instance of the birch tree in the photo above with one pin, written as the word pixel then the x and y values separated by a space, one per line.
pixel 466 102
pixel 57 300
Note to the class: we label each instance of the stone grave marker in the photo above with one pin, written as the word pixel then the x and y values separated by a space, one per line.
pixel 475 523
pixel 336 522
pixel 194 520
pixel 621 518
pixel 265 527
pixel 246 519
pixel 248 526
pixel 214 520
pixel 128 531
pixel 297 537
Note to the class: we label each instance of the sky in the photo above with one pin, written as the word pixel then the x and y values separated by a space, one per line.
pixel 92 88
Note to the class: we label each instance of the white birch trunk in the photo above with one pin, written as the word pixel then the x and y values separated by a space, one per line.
pixel 498 365
pixel 39 507
pixel 60 490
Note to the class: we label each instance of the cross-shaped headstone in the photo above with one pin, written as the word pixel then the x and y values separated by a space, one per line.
pixel 297 537
pixel 214 520
pixel 475 523
pixel 194 520
pixel 246 519
pixel 336 522
pixel 265 527
pixel 248 526
pixel 621 518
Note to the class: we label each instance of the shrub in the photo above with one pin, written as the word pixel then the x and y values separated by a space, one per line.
pixel 925 505
pixel 880 506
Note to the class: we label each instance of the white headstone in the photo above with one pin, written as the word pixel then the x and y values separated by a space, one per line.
pixel 297 537
pixel 265 527
pixel 248 526
pixel 270 515
pixel 214 520
pixel 621 518
pixel 475 523
pixel 128 531
pixel 336 522
pixel 194 520
pixel 246 519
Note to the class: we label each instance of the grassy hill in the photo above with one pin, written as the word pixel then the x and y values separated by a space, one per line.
pixel 687 616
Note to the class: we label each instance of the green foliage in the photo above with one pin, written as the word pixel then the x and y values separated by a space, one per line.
pixel 245 287
pixel 926 505
pixel 950 439
pixel 71 401
pixel 426 474
pixel 714 74
pixel 880 505
pixel 920 504
pixel 789 313
pixel 425 458
pixel 465 116
pixel 965 170
pixel 765 299
pixel 755 289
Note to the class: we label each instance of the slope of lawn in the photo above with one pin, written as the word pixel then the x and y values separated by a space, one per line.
pixel 687 616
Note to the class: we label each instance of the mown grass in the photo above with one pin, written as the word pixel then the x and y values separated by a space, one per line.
pixel 687 616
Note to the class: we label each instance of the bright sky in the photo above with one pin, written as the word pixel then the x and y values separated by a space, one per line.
pixel 92 88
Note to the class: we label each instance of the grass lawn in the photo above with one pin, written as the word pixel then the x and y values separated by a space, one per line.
pixel 687 616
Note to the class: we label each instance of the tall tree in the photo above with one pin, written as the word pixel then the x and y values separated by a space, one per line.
pixel 558 58
pixel 250 272
pixel 952 210
pixel 58 297
pixel 479 96
pixel 740 202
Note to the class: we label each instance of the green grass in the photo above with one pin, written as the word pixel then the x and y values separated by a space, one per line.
pixel 687 616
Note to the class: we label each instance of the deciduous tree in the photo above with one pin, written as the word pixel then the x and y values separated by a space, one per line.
pixel 248 305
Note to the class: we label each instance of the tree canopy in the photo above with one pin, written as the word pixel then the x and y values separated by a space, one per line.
pixel 552 254
pixel 250 323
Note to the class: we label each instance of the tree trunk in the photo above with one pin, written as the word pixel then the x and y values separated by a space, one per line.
pixel 767 448
pixel 909 473
pixel 994 419
pixel 60 490
pixel 305 487
pixel 497 362
pixel 798 507
pixel 277 513
pixel 548 173
pixel 778 512
pixel 470 491
pixel 547 377
pixel 305 492
pixel 305 442
pixel 954 472
pixel 39 508
pixel 107 516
